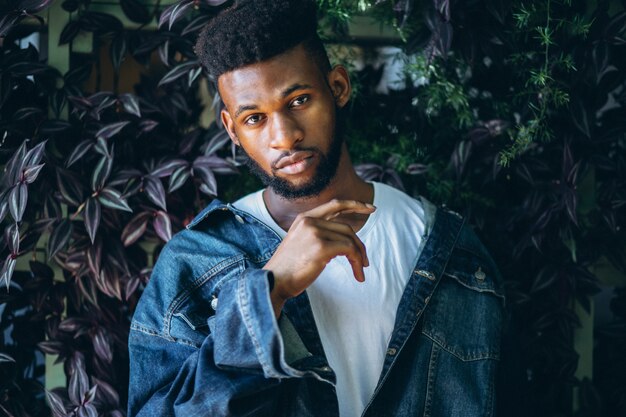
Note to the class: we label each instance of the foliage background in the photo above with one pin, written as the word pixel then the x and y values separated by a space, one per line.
pixel 510 112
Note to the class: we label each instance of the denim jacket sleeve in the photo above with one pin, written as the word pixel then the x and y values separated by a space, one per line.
pixel 204 336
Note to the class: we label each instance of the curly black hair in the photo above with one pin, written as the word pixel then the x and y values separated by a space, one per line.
pixel 252 31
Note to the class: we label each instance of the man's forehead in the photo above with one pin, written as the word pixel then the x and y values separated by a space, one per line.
pixel 272 76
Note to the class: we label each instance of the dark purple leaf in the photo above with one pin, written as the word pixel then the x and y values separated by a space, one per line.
pixel 59 237
pixel 130 104
pixel 80 103
pixel 570 205
pixel 79 74
pixel 208 179
pixel 617 25
pixel 164 51
pixel 178 178
pixel 31 173
pixel 70 31
pixel 51 347
pixel 91 395
pixel 546 277
pixel 217 142
pixel 117 50
pixel 4 209
pixel 33 156
pixel 417 169
pixel 188 142
pixel 54 126
pixel 100 22
pixel 7 271
pixel 79 151
pixel 174 12
pixel 101 345
pixel 24 69
pixel 79 382
pixel 111 130
pixel 196 24
pixel 87 410
pixel 136 11
pixel 369 172
pixel 70 187
pixel 56 404
pixel 542 221
pixel 572 175
pixel 41 270
pixel 94 258
pixel 162 225
pixel 167 167
pixel 103 101
pixel 600 55
pixel 109 283
pixel 12 238
pixel 131 287
pixel 34 6
pixel 155 191
pixel 101 172
pixel 580 117
pixel 101 147
pixel 73 324
pixel 179 101
pixel 112 198
pixel 26 113
pixel 106 394
pixel 135 228
pixel 179 71
pixel 13 168
pixel 193 75
pixel 17 201
pixel 147 125
pixel 92 217
pixel 7 22
pixel 205 189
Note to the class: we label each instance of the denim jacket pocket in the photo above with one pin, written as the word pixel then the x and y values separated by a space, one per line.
pixel 465 316
pixel 196 306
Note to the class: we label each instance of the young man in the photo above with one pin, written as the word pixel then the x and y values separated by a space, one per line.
pixel 322 294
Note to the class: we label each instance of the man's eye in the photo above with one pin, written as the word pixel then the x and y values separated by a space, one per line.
pixel 252 119
pixel 299 101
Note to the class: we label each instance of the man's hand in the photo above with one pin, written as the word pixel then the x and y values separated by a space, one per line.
pixel 313 240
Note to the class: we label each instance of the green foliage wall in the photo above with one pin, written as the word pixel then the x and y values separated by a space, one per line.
pixel 512 113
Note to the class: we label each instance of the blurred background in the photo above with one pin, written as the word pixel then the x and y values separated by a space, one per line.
pixel 512 113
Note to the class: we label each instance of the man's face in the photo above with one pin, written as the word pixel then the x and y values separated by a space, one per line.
pixel 283 114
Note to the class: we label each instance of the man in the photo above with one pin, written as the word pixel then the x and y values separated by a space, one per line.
pixel 322 294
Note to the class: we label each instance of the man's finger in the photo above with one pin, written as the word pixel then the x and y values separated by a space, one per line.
pixel 340 245
pixel 333 208
pixel 347 231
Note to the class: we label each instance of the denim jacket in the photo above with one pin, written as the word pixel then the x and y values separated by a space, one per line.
pixel 204 340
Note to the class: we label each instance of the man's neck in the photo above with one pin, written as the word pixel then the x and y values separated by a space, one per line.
pixel 346 185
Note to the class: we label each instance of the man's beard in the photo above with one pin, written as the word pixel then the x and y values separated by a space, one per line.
pixel 324 173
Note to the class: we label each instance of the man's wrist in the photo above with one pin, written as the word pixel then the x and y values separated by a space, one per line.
pixel 276 299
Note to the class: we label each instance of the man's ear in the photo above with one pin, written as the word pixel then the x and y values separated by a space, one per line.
pixel 229 125
pixel 339 82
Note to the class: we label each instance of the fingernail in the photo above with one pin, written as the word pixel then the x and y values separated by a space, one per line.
pixel 371 206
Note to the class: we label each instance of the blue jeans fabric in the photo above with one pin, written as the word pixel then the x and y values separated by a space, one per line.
pixel 204 340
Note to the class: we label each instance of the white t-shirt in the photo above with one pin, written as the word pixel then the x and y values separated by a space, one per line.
pixel 355 320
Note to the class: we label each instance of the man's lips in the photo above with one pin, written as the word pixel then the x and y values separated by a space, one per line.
pixel 294 158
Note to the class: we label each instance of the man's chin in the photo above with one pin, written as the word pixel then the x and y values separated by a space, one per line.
pixel 301 190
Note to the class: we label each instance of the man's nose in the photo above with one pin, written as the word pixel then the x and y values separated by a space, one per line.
pixel 285 131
